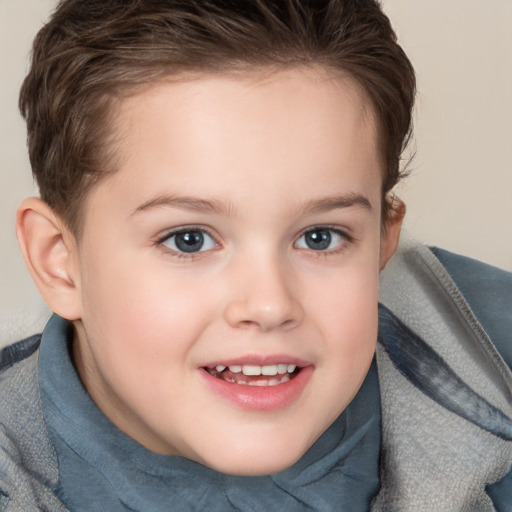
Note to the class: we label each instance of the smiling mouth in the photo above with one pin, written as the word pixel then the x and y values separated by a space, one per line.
pixel 253 375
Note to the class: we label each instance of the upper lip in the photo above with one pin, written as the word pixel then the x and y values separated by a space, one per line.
pixel 258 360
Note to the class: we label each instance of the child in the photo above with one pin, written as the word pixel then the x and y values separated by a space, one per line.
pixel 216 207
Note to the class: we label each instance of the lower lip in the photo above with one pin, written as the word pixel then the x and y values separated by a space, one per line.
pixel 260 398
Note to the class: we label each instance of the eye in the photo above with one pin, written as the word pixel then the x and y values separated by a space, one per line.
pixel 321 239
pixel 189 241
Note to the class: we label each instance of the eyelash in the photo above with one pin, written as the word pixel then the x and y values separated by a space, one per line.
pixel 160 242
pixel 345 242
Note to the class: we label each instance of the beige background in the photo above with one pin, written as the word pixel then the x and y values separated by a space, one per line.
pixel 460 193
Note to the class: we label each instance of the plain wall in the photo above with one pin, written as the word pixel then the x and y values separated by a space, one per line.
pixel 459 194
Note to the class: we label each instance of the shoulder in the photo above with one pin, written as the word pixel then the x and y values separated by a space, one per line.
pixel 28 465
pixel 488 292
pixel 18 378
pixel 19 389
pixel 18 351
pixel 458 311
pixel 444 387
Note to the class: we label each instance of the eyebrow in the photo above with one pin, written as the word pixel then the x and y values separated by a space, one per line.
pixel 329 203
pixel 193 204
pixel 219 207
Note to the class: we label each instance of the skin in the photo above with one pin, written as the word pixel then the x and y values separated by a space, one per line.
pixel 275 156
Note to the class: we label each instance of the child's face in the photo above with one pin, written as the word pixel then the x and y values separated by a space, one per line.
pixel 242 229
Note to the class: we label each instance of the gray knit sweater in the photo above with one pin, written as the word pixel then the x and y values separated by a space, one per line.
pixel 443 439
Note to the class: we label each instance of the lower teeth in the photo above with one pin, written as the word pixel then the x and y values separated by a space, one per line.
pixel 257 382
pixel 262 383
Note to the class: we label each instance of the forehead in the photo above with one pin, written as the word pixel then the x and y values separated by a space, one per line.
pixel 247 130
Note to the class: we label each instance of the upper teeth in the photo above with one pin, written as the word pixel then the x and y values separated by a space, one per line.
pixel 248 369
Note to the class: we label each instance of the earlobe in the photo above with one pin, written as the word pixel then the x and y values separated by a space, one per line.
pixel 391 231
pixel 48 251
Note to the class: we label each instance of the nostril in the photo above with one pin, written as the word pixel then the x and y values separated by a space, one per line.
pixel 264 310
pixel 290 323
pixel 266 326
pixel 247 324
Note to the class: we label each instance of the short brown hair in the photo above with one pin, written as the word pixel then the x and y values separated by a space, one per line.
pixel 91 51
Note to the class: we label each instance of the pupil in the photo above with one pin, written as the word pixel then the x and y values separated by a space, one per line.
pixel 189 241
pixel 318 240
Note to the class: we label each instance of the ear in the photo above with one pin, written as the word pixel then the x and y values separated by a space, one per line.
pixel 391 231
pixel 49 251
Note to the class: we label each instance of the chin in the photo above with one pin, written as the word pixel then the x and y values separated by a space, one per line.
pixel 257 468
pixel 255 462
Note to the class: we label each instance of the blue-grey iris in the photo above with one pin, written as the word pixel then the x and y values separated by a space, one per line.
pixel 318 239
pixel 189 241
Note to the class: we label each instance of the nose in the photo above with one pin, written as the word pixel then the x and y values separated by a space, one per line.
pixel 264 297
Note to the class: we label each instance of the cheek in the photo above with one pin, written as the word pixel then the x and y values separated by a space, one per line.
pixel 347 315
pixel 143 308
pixel 348 301
pixel 140 328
